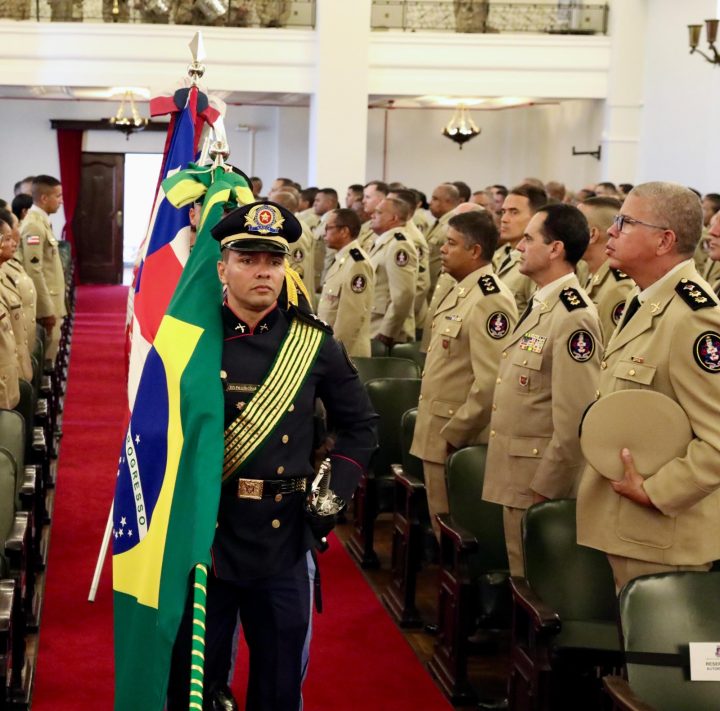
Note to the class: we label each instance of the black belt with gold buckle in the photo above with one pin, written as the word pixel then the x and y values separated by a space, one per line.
pixel 260 488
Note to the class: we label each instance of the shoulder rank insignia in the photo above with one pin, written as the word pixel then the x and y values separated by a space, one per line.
pixel 488 285
pixel 619 275
pixel 356 254
pixel 498 325
pixel 312 319
pixel 581 346
pixel 400 237
pixel 571 299
pixel 707 351
pixel 693 295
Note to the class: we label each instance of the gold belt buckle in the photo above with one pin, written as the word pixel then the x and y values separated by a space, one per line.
pixel 250 489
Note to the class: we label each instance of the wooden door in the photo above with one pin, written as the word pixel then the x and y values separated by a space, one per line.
pixel 98 219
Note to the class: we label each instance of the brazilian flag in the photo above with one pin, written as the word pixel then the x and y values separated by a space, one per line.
pixel 168 484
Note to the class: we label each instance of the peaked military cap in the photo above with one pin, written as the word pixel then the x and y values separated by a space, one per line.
pixel 261 226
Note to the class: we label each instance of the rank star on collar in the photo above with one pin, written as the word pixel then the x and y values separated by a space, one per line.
pixel 240 327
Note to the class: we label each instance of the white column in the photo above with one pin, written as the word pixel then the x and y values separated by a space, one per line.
pixel 623 108
pixel 338 104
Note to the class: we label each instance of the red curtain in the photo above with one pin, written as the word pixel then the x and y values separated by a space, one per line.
pixel 70 153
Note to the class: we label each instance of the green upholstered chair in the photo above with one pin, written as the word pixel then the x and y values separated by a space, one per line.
pixel 391 398
pixel 410 523
pixel 473 589
pixel 410 351
pixel 564 615
pixel 385 367
pixel 659 615
pixel 378 349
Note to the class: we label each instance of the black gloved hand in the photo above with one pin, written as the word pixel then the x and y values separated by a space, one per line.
pixel 320 527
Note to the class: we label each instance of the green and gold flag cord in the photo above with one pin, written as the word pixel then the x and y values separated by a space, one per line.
pixel 213 184
pixel 197 663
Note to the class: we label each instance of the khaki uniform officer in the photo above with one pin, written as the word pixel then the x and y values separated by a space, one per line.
pixel 9 372
pixel 41 260
pixel 469 329
pixel 444 286
pixel 302 258
pixel 11 296
pixel 445 198
pixel 14 269
pixel 547 378
pixel 394 260
pixel 374 193
pixel 422 285
pixel 669 344
pixel 347 296
pixel 608 288
pixel 522 287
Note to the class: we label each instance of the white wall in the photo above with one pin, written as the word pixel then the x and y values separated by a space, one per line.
pixel 682 99
pixel 514 144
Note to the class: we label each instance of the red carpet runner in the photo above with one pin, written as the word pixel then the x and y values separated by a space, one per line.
pixel 359 660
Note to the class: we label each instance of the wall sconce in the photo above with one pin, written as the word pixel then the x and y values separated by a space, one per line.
pixel 711 29
pixel 461 128
pixel 128 124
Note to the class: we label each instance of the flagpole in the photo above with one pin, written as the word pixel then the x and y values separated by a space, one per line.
pixel 101 557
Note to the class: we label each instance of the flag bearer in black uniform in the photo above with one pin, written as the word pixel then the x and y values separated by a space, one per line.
pixel 277 359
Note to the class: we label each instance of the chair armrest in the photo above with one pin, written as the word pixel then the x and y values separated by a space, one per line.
pixel 39 443
pixel 17 537
pixel 410 483
pixel 41 408
pixel 623 696
pixel 7 599
pixel 27 487
pixel 541 615
pixel 460 537
pixel 46 385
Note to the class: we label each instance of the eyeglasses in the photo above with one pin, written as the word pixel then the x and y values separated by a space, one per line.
pixel 621 220
pixel 333 227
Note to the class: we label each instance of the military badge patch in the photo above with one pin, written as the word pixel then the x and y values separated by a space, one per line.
pixel 498 325
pixel 358 283
pixel 617 312
pixel 446 343
pixel 707 351
pixel 298 255
pixel 264 220
pixel 523 380
pixel 33 239
pixel 401 258
pixel 581 346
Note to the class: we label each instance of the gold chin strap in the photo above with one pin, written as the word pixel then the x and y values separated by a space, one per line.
pixel 294 283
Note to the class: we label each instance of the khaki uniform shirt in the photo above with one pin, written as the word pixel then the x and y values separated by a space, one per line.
pixel 672 346
pixel 366 238
pixel 9 372
pixel 27 295
pixel 469 331
pixel 41 260
pixel 548 376
pixel 711 274
pixel 422 286
pixel 436 237
pixel 11 295
pixel 522 287
pixel 302 258
pixel 347 299
pixel 608 288
pixel 394 260
pixel 420 218
pixel 444 285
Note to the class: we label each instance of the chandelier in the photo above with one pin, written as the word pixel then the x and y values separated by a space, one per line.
pixel 711 29
pixel 128 124
pixel 461 127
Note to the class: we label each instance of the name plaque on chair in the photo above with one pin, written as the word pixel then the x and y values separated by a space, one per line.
pixel 704 661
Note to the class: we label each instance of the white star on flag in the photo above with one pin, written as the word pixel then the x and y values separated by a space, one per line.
pixel 137 439
pixel 123 521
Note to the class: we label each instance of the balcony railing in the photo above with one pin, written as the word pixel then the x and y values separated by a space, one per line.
pixel 217 13
pixel 567 17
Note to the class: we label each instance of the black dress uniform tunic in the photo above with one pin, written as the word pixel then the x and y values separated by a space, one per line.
pixel 259 538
